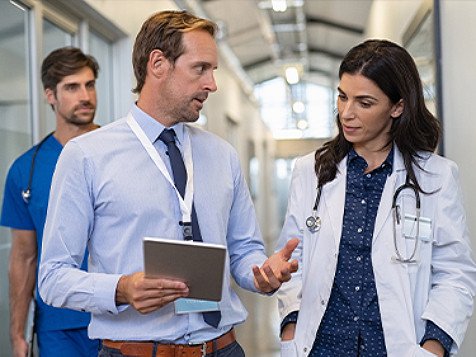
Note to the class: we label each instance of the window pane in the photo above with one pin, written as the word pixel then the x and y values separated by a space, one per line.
pixel 101 49
pixel 313 118
pixel 15 126
pixel 53 37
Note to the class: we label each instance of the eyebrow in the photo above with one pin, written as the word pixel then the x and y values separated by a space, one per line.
pixel 364 96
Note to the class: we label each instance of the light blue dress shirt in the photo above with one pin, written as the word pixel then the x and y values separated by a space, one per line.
pixel 107 194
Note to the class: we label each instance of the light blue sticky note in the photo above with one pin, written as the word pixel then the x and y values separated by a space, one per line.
pixel 185 306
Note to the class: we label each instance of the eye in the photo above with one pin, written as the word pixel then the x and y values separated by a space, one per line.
pixel 365 104
pixel 91 85
pixel 342 97
pixel 200 68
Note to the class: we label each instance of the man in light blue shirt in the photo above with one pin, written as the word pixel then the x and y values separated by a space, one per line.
pixel 113 187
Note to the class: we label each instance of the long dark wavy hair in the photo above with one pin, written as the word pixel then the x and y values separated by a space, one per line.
pixel 393 70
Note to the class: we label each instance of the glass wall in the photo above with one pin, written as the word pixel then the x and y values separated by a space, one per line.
pixel 15 126
pixel 101 49
pixel 30 30
pixel 53 37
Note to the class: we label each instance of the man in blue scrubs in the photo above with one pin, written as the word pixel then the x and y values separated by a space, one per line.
pixel 68 77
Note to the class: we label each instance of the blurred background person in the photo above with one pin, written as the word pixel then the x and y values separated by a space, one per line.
pixel 69 78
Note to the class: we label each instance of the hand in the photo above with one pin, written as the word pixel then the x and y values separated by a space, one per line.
pixel 434 347
pixel 19 347
pixel 147 295
pixel 288 331
pixel 276 270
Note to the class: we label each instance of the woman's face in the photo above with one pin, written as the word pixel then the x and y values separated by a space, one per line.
pixel 365 112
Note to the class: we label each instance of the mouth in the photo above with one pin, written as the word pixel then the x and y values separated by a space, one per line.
pixel 85 108
pixel 349 129
pixel 201 97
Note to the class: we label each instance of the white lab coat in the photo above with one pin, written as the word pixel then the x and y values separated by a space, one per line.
pixel 439 288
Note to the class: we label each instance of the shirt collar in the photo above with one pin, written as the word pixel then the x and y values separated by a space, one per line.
pixel 387 163
pixel 152 128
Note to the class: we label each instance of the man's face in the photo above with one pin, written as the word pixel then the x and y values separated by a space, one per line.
pixel 189 81
pixel 75 99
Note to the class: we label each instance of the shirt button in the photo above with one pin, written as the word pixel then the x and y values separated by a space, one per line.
pixel 356 318
pixel 323 302
pixel 305 349
pixel 359 230
pixel 369 175
pixel 357 288
pixel 363 202
pixel 359 258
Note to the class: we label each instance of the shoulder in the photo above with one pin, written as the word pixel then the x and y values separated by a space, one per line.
pixel 437 172
pixel 198 134
pixel 305 162
pixel 112 129
pixel 102 140
pixel 206 141
pixel 436 164
pixel 303 169
pixel 23 162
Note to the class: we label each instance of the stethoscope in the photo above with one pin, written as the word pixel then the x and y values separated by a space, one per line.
pixel 397 219
pixel 313 222
pixel 26 194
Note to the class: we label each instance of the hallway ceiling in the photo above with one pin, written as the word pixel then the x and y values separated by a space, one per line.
pixel 313 35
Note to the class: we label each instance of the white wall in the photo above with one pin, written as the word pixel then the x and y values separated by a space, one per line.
pixel 458 44
pixel 390 19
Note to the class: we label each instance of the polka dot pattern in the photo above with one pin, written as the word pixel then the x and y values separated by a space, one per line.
pixel 352 325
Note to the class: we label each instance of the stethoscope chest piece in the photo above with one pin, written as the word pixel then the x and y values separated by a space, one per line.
pixel 313 223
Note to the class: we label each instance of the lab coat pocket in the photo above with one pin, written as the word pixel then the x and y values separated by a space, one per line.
pixel 288 348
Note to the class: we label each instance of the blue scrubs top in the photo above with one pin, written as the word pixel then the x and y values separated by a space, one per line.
pixel 19 215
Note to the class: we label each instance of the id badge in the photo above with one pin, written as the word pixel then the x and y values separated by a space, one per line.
pixel 410 228
pixel 185 306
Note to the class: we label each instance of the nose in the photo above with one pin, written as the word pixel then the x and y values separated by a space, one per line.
pixel 210 84
pixel 86 94
pixel 346 110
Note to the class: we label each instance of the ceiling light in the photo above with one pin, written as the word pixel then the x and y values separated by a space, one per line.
pixel 279 5
pixel 302 124
pixel 292 75
pixel 298 107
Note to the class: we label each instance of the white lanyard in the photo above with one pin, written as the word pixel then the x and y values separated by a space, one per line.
pixel 186 202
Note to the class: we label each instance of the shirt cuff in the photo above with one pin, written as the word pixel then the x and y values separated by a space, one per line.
pixel 292 317
pixel 433 332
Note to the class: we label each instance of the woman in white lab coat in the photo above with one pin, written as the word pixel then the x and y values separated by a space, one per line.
pixel 377 276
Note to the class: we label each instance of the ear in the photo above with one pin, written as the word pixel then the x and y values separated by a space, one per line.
pixel 50 96
pixel 397 109
pixel 157 63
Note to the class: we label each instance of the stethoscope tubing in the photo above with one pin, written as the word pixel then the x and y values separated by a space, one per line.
pixel 313 222
pixel 26 194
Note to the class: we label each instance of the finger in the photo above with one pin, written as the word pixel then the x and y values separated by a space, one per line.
pixel 288 249
pixel 152 304
pixel 258 276
pixel 294 266
pixel 260 281
pixel 149 283
pixel 274 281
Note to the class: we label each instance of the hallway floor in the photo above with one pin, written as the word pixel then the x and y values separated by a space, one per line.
pixel 258 335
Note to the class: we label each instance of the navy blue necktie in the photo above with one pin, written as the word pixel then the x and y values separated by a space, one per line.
pixel 180 178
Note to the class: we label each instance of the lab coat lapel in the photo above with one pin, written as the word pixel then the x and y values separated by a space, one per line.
pixel 396 179
pixel 333 197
